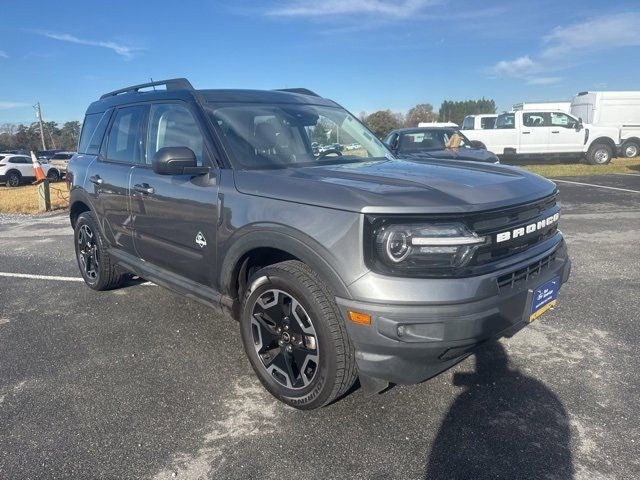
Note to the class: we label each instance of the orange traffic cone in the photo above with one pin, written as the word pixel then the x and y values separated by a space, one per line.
pixel 40 176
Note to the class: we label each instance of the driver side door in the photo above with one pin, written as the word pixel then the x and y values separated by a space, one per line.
pixel 175 216
pixel 565 137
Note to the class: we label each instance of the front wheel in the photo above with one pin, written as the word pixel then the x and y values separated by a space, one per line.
pixel 53 176
pixel 599 154
pixel 295 338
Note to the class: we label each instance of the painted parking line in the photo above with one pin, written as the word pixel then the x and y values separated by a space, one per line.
pixel 54 278
pixel 595 186
pixel 631 174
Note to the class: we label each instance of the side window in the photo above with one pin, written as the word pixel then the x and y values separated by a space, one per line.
pixel 125 141
pixel 535 119
pixel 392 140
pixel 562 120
pixel 173 125
pixel 468 123
pixel 98 135
pixel 88 127
pixel 506 120
pixel 487 122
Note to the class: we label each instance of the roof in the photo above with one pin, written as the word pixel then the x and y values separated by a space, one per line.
pixel 421 129
pixel 181 89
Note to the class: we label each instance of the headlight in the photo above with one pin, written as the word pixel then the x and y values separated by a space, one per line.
pixel 428 248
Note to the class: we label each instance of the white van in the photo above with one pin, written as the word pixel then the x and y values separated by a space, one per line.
pixel 612 109
pixel 557 106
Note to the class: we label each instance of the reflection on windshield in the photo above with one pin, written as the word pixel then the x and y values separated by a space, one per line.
pixel 430 140
pixel 264 136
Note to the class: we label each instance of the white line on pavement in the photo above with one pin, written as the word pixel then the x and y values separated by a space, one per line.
pixel 632 174
pixel 596 186
pixel 49 277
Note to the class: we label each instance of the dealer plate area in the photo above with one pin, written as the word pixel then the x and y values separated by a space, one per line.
pixel 544 298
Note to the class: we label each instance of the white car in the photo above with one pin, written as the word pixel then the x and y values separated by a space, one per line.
pixel 17 169
pixel 545 133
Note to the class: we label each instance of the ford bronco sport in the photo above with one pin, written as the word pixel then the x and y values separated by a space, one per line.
pixel 337 265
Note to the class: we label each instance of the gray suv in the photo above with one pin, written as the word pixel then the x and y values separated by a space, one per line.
pixel 338 265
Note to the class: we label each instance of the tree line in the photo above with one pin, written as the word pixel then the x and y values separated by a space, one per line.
pixel 383 122
pixel 27 137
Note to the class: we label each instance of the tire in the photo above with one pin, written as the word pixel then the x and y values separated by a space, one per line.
pixel 599 154
pixel 306 361
pixel 53 175
pixel 96 267
pixel 631 150
pixel 13 179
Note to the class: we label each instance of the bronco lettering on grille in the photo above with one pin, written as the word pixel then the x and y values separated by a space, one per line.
pixel 527 229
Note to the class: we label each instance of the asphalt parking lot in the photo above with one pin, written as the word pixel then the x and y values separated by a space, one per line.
pixel 142 383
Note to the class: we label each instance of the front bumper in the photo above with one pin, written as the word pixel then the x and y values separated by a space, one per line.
pixel 411 342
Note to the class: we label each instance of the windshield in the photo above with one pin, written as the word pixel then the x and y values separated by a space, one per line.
pixel 429 140
pixel 260 136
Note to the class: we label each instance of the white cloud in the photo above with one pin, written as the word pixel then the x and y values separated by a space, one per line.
pixel 543 80
pixel 324 8
pixel 124 51
pixel 565 46
pixel 3 54
pixel 8 105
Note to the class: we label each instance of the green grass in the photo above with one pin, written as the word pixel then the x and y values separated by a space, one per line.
pixel 617 165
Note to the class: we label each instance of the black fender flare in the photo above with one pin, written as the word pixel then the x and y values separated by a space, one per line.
pixel 307 251
pixel 78 195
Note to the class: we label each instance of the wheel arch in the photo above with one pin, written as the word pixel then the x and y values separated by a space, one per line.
pixel 266 248
pixel 606 141
pixel 79 203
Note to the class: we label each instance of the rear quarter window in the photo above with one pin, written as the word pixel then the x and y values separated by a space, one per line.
pixel 93 129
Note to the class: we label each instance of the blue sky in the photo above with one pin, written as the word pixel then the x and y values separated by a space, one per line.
pixel 365 54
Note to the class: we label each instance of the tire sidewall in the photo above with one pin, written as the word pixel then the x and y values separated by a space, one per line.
pixel 13 175
pixel 320 388
pixel 594 150
pixel 53 176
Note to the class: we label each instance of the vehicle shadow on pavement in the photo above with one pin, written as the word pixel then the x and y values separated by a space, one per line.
pixel 503 425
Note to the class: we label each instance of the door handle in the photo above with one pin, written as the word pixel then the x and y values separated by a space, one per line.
pixel 555 131
pixel 95 179
pixel 143 188
pixel 526 133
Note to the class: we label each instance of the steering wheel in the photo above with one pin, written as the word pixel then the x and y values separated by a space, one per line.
pixel 327 152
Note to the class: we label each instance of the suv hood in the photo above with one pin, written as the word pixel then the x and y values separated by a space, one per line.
pixel 473 154
pixel 398 186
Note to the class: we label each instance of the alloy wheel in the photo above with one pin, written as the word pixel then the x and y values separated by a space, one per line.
pixel 631 151
pixel 88 252
pixel 601 155
pixel 285 339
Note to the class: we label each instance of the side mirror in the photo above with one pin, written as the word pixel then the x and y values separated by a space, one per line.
pixel 579 125
pixel 176 161
pixel 477 144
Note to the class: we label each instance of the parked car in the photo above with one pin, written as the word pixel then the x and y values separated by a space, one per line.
pixel 47 154
pixel 338 266
pixel 620 110
pixel 18 169
pixel 479 122
pixel 541 134
pixel 429 143
pixel 60 160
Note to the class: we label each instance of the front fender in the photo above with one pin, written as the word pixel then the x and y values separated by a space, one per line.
pixel 294 243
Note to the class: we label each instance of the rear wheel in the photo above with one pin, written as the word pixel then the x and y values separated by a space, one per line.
pixel 96 267
pixel 13 179
pixel 631 149
pixel 599 154
pixel 295 338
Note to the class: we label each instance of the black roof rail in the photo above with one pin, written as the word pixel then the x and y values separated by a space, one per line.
pixel 303 91
pixel 170 84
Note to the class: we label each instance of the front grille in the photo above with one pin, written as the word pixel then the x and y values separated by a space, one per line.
pixel 492 223
pixel 513 279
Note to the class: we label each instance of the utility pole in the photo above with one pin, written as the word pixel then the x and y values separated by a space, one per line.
pixel 39 115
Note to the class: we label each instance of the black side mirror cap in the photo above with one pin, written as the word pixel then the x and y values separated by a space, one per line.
pixel 176 161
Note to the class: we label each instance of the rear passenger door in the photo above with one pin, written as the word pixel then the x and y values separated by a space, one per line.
pixel 122 149
pixel 175 216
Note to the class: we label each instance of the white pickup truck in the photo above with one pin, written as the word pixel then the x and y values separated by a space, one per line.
pixel 547 133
